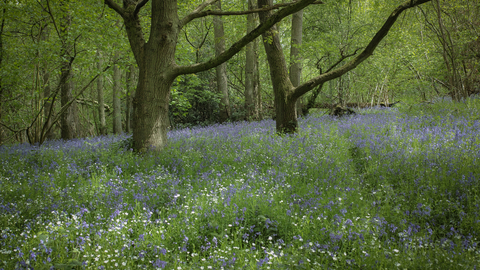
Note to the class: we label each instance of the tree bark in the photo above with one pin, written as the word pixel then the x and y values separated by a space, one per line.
pixel 256 81
pixel 156 62
pixel 48 99
pixel 221 70
pixel 117 110
pixel 69 119
pixel 312 98
pixel 286 116
pixel 250 65
pixel 47 102
pixel 100 97
pixel 295 60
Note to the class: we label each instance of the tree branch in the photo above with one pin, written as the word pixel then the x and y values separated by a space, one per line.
pixel 367 52
pixel 11 129
pixel 198 14
pixel 139 6
pixel 237 46
pixel 192 15
pixel 49 11
pixel 132 25
pixel 111 4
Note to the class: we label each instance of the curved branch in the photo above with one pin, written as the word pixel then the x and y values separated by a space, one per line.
pixel 132 25
pixel 192 15
pixel 139 6
pixel 367 52
pixel 54 23
pixel 237 46
pixel 199 14
pixel 111 4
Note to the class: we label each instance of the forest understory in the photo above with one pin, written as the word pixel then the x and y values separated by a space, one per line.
pixel 387 188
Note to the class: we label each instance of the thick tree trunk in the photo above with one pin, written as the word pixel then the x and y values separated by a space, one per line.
pixel 295 60
pixel 221 70
pixel 68 120
pixel 101 107
pixel 250 97
pixel 156 61
pixel 117 110
pixel 285 108
pixel 150 120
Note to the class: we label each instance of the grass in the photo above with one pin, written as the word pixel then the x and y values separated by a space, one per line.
pixel 386 189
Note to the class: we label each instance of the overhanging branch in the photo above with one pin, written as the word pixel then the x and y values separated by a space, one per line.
pixel 111 4
pixel 200 14
pixel 191 16
pixel 139 6
pixel 367 52
pixel 237 46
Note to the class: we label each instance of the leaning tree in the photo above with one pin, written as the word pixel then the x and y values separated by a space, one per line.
pixel 285 93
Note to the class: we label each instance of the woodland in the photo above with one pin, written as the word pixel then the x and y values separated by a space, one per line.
pixel 71 70
pixel 215 134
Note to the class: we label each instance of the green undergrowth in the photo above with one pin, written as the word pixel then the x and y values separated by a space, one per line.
pixel 394 189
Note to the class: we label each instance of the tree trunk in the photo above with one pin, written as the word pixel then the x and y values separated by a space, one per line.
pixel 286 115
pixel 250 61
pixel 450 57
pixel 256 82
pixel 221 70
pixel 101 107
pixel 117 110
pixel 312 98
pixel 47 103
pixel 295 60
pixel 150 120
pixel 68 119
pixel 130 94
pixel 156 61
pixel 48 100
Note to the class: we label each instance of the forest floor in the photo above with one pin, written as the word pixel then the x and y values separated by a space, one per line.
pixel 384 189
